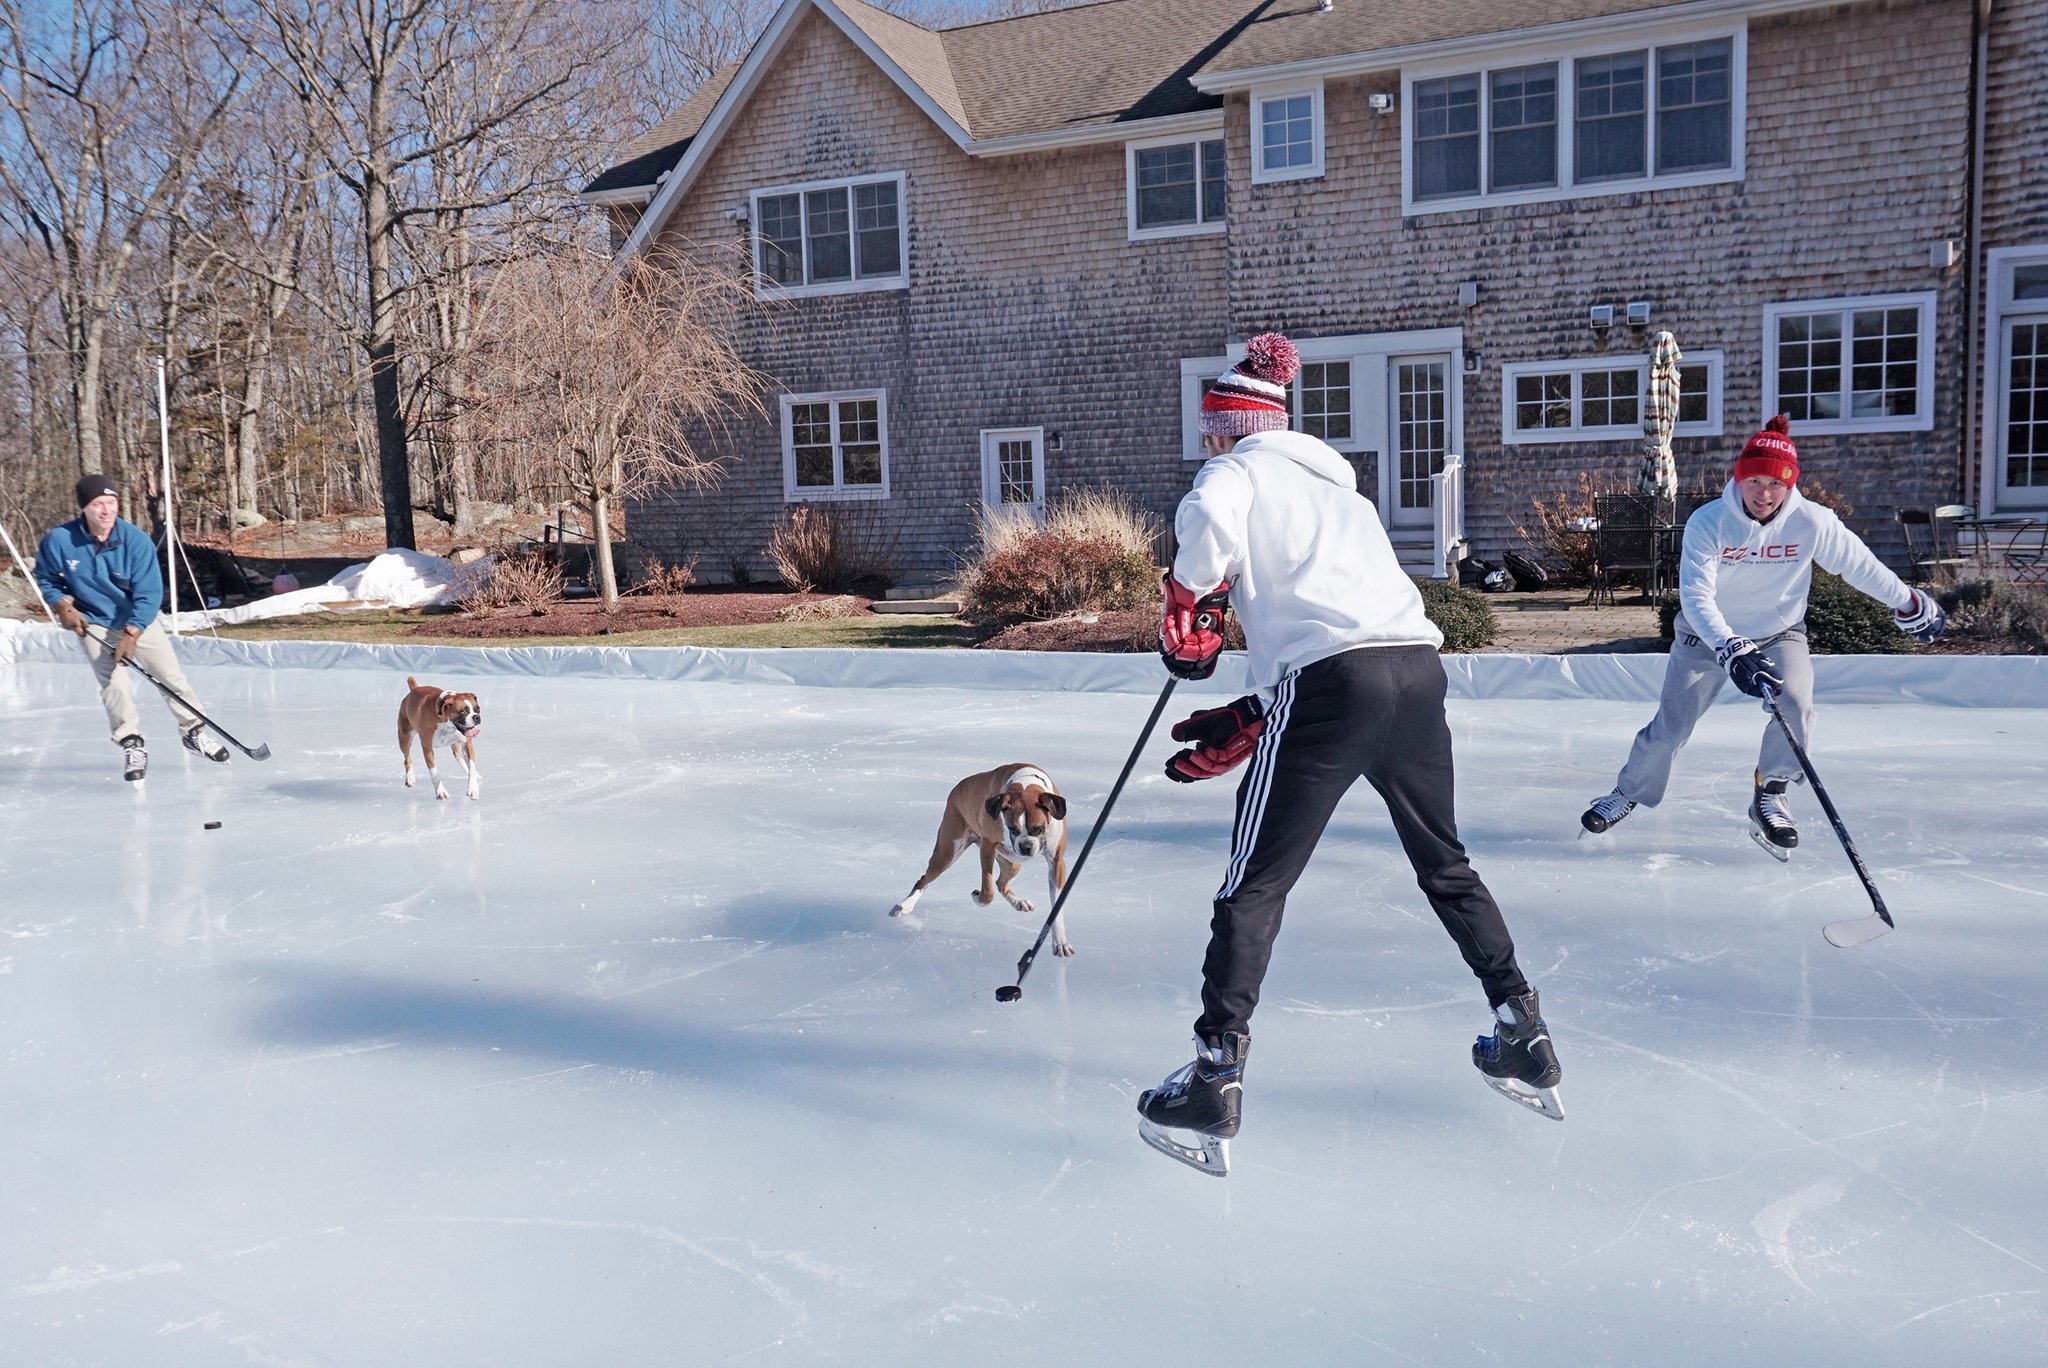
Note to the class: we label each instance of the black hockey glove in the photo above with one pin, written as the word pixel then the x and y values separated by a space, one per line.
pixel 1753 671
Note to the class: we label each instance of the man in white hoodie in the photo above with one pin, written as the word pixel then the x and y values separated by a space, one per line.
pixel 1743 577
pixel 1350 687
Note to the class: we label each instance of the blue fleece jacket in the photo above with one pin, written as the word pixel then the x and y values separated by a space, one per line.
pixel 113 583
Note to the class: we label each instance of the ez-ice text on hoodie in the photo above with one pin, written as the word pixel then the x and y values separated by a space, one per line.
pixel 1311 572
pixel 114 583
pixel 1738 577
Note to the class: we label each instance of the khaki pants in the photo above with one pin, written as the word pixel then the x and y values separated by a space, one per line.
pixel 117 686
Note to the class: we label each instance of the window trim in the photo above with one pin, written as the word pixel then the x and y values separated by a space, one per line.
pixel 1298 420
pixel 1998 496
pixel 1923 419
pixel 838 491
pixel 1201 227
pixel 1193 371
pixel 1714 360
pixel 994 437
pixel 1259 96
pixel 764 288
pixel 1647 39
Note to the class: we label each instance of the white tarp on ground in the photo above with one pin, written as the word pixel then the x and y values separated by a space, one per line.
pixel 1951 681
pixel 627 1065
pixel 397 578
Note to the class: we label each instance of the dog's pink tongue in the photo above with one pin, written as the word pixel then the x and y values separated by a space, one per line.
pixel 468 732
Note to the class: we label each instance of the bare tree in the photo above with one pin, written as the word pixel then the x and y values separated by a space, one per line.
pixel 366 67
pixel 610 381
pixel 105 120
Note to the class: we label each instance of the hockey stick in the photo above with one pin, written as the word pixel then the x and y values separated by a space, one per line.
pixel 1010 992
pixel 1856 930
pixel 262 752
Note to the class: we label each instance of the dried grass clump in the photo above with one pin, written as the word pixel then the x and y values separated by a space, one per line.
pixel 813 610
pixel 1094 552
pixel 514 580
pixel 832 550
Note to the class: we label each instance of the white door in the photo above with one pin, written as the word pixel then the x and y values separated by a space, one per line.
pixel 2020 400
pixel 1013 469
pixel 1419 412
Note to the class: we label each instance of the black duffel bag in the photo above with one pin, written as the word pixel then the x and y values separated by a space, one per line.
pixel 1528 575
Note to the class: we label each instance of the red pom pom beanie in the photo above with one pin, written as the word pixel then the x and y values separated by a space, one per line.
pixel 1252 395
pixel 1770 453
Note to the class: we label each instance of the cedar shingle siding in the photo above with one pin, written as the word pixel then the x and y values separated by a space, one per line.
pixel 1027 306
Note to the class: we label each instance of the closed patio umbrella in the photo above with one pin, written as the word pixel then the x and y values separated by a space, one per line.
pixel 1659 474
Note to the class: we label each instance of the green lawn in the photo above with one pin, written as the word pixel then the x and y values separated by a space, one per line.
pixel 874 630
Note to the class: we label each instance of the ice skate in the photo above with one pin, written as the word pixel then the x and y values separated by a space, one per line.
pixel 1193 1114
pixel 199 743
pixel 1605 812
pixel 134 759
pixel 1770 820
pixel 1517 1058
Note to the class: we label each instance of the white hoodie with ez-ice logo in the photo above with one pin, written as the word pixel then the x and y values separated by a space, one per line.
pixel 1740 577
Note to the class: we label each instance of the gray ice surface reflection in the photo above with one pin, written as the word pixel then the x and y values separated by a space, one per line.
pixel 626 1063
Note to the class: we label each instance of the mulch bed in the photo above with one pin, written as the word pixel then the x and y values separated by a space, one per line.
pixel 639 613
pixel 1132 629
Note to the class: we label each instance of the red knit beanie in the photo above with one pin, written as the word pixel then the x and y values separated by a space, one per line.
pixel 1770 453
pixel 1252 395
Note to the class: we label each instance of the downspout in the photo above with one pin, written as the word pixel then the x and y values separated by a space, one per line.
pixel 1976 392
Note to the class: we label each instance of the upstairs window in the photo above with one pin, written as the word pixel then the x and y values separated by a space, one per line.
pixel 830 237
pixel 1287 134
pixel 1176 187
pixel 1575 123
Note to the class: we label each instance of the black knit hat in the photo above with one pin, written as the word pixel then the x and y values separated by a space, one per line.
pixel 92 486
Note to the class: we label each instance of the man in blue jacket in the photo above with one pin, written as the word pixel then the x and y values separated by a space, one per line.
pixel 98 572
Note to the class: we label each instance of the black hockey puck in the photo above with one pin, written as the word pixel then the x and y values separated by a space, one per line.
pixel 213 826
pixel 1009 992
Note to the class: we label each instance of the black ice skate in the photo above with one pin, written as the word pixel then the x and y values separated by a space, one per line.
pixel 1605 812
pixel 199 743
pixel 1517 1058
pixel 134 759
pixel 1201 1099
pixel 1770 820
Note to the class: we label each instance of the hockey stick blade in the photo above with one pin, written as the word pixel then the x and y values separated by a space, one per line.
pixel 1211 1155
pixel 1542 1101
pixel 1846 935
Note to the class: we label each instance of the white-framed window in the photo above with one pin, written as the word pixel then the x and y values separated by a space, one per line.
pixel 1197 375
pixel 1323 397
pixel 830 237
pixel 1851 365
pixel 835 446
pixel 1287 133
pixel 1600 399
pixel 1013 469
pixel 1545 123
pixel 2015 472
pixel 1176 187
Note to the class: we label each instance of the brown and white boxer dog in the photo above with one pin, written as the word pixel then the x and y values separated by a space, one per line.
pixel 1014 814
pixel 454 717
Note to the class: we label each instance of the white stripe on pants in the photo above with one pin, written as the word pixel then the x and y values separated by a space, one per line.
pixel 117 686
pixel 1692 681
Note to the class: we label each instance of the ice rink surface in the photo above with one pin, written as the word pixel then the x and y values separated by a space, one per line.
pixel 626 1063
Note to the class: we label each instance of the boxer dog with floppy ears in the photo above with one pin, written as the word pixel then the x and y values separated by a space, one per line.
pixel 1014 814
pixel 427 712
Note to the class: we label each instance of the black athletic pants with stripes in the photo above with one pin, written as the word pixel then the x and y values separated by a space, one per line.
pixel 1375 713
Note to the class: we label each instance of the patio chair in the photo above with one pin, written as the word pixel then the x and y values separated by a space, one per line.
pixel 1931 551
pixel 1627 541
pixel 2026 554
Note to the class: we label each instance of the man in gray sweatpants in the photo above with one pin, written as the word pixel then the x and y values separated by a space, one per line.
pixel 1743 577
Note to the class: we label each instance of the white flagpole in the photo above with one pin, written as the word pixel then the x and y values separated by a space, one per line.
pixel 163 427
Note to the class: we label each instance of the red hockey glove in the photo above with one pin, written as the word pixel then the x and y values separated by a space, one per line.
pixel 1223 737
pixel 1191 629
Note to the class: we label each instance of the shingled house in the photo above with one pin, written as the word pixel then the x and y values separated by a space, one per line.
pixel 1000 260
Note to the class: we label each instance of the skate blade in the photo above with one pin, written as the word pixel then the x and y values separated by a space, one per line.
pixel 1543 1101
pixel 1846 935
pixel 1776 852
pixel 1211 1155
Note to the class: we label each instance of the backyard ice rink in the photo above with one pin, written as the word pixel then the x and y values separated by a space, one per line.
pixel 626 1063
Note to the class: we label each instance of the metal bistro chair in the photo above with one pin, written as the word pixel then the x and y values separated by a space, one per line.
pixel 2026 554
pixel 1931 548
pixel 1626 542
